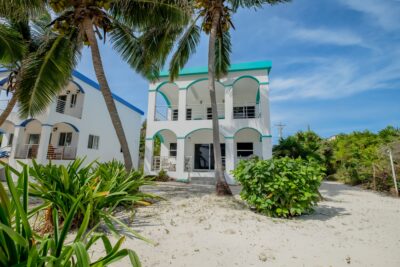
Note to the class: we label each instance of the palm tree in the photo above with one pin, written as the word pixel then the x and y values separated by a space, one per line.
pixel 214 18
pixel 23 37
pixel 82 22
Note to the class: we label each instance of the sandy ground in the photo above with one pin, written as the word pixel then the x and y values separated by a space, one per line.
pixel 351 227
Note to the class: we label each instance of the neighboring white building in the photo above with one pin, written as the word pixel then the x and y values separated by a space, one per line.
pixel 179 113
pixel 76 124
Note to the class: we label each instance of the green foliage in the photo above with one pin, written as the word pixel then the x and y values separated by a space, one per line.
pixel 20 245
pixel 280 187
pixel 162 176
pixel 103 186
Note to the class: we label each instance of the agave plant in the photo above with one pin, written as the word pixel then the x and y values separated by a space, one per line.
pixel 20 245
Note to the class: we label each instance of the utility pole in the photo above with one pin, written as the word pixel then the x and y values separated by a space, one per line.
pixel 280 127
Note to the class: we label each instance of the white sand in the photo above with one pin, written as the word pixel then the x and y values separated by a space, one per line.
pixel 351 227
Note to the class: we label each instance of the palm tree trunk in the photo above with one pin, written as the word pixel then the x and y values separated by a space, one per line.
pixel 6 112
pixel 105 90
pixel 222 187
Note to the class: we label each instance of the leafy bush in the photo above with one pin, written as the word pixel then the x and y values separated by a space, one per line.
pixel 280 187
pixel 162 176
pixel 20 245
pixel 104 187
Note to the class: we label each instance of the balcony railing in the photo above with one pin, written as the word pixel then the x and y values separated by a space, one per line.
pixel 27 151
pixel 61 153
pixel 246 111
pixel 203 112
pixel 64 107
pixel 166 113
pixel 164 163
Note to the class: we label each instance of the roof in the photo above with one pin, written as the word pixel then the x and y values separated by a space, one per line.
pixel 95 85
pixel 257 65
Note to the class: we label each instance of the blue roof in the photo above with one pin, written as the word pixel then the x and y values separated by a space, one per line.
pixel 257 65
pixel 95 85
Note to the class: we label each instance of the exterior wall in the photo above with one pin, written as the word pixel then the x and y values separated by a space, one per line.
pixel 94 119
pixel 260 133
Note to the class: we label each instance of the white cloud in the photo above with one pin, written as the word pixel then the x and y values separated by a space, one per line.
pixel 328 36
pixel 386 13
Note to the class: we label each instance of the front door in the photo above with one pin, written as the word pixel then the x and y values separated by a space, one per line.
pixel 204 156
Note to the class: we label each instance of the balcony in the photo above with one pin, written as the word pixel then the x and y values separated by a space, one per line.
pixel 27 151
pixel 61 153
pixel 246 111
pixel 203 112
pixel 166 113
pixel 163 163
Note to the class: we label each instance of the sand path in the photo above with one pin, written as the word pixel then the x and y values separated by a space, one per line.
pixel 351 227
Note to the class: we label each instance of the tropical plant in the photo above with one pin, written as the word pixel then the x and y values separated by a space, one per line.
pixel 26 44
pixel 104 187
pixel 282 187
pixel 20 245
pixel 162 176
pixel 214 18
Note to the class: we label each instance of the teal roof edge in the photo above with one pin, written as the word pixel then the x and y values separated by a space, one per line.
pixel 256 65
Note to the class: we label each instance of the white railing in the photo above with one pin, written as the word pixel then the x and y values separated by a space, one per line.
pixel 164 163
pixel 64 107
pixel 246 110
pixel 61 153
pixel 27 151
pixel 166 113
pixel 203 112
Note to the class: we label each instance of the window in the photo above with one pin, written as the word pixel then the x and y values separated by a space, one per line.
pixel 174 114
pixel 209 114
pixel 33 139
pixel 93 142
pixel 60 108
pixel 10 139
pixel 244 150
pixel 73 100
pixel 188 114
pixel 172 149
pixel 247 112
pixel 65 139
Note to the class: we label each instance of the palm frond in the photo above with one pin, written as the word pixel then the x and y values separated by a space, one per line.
pixel 21 9
pixel 223 49
pixel 186 47
pixel 46 72
pixel 12 45
pixel 253 3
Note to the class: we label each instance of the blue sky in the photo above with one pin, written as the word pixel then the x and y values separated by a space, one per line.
pixel 336 63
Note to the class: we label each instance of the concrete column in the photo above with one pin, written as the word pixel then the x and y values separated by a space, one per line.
pixel 265 109
pixel 266 147
pixel 17 132
pixel 180 159
pixel 151 108
pixel 182 105
pixel 229 103
pixel 148 155
pixel 4 140
pixel 44 143
pixel 229 159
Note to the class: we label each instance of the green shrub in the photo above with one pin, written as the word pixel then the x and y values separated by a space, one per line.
pixel 162 176
pixel 103 186
pixel 280 187
pixel 20 245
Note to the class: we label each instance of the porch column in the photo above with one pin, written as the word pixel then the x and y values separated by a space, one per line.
pixel 151 106
pixel 266 147
pixel 182 105
pixel 264 108
pixel 4 140
pixel 44 143
pixel 229 158
pixel 17 132
pixel 229 102
pixel 180 158
pixel 148 155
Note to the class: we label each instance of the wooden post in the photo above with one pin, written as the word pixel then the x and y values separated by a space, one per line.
pixel 373 177
pixel 393 172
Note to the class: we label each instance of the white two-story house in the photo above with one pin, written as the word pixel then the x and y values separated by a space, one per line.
pixel 76 124
pixel 179 115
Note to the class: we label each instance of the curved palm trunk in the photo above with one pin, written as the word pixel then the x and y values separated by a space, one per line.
pixel 222 186
pixel 105 90
pixel 6 112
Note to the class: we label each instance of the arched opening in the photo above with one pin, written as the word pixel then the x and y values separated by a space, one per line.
pixel 198 103
pixel 246 98
pixel 165 151
pixel 247 144
pixel 199 150
pixel 7 138
pixel 167 100
pixel 28 139
pixel 70 100
pixel 63 143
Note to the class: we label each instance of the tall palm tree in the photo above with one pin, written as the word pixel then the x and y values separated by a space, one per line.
pixel 83 22
pixel 214 18
pixel 23 37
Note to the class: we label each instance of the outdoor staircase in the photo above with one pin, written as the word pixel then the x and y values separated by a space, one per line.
pixel 203 180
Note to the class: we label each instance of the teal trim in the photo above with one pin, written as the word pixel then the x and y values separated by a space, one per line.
pixel 253 78
pixel 247 128
pixel 152 90
pixel 149 138
pixel 265 83
pixel 229 137
pixel 165 98
pixel 200 80
pixel 258 96
pixel 183 180
pixel 266 136
pixel 258 65
pixel 181 138
pixel 199 130
pixel 160 136
pixel 159 133
pixel 164 83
